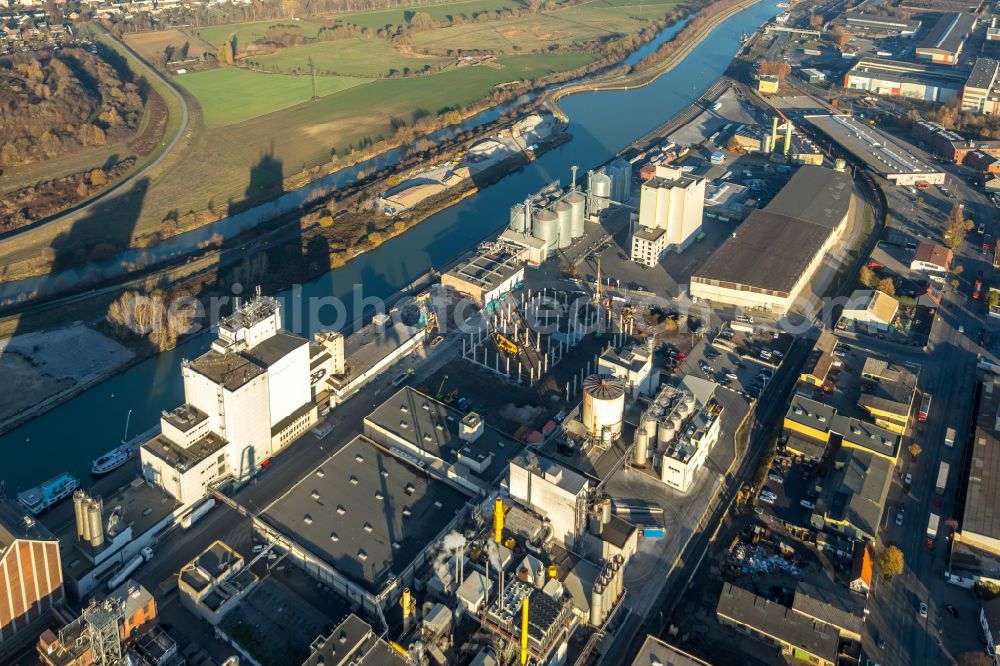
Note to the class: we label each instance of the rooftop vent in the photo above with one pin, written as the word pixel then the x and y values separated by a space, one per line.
pixel 307 519
pixel 334 537
pixel 341 510
pixel 409 489
pixel 362 555
pixel 379 495
pixel 425 407
pixel 315 494
pixel 437 504
pixel 320 473
pixel 359 458
pixel 368 527
pixel 354 480
pixel 404 409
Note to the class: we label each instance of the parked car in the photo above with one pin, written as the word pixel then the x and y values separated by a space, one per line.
pixel 768 498
pixel 923 609
pixel 773 476
pixel 899 517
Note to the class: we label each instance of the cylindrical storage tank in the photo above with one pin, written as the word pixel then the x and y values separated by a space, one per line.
pixel 641 452
pixel 540 577
pixel 649 425
pixel 600 191
pixel 578 204
pixel 82 524
pixel 545 226
pixel 596 606
pixel 96 521
pixel 605 507
pixel 519 218
pixel 665 434
pixel 603 406
pixel 594 523
pixel 564 213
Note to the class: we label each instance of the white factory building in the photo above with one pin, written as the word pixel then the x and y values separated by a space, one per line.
pixel 671 204
pixel 678 430
pixel 556 492
pixel 245 399
pixel 634 366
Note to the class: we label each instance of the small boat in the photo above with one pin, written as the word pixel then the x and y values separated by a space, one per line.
pixel 113 459
pixel 42 497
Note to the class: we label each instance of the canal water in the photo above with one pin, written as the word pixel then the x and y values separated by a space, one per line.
pixel 68 437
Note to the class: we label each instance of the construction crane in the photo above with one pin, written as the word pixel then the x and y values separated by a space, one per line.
pixel 437 395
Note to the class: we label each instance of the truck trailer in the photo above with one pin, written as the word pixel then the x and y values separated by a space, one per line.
pixel 949 438
pixel 932 530
pixel 942 478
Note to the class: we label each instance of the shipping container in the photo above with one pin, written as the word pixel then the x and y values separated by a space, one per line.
pixel 653 533
pixel 949 438
pixel 942 478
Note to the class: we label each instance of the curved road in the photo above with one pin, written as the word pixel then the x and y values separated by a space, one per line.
pixel 148 72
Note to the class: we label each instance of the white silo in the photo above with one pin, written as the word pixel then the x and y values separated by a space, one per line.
pixel 545 226
pixel 665 433
pixel 577 203
pixel 564 212
pixel 603 406
pixel 600 192
pixel 519 218
pixel 640 455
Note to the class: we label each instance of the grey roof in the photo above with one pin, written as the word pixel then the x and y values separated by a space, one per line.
pixel 984 73
pixel 914 72
pixel 814 194
pixel 364 349
pixel 273 349
pixel 866 435
pixel 655 652
pixel 486 270
pixel 13 526
pixel 433 426
pixel 226 368
pixel 350 639
pixel 880 152
pixel 781 623
pixel 210 564
pixel 811 413
pixel 181 458
pixel 560 475
pixel 365 512
pixel 184 417
pixel 649 233
pixel 981 515
pixel 771 249
pixel 835 607
pixel 617 531
pixel 949 33
pixel 885 21
pixel 133 596
pixel 859 490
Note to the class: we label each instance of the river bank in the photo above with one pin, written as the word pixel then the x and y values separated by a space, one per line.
pixel 69 436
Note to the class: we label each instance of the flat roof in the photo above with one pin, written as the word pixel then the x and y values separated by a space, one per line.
pixel 875 148
pixel 898 70
pixel 271 350
pixel 353 639
pixel 181 458
pixel 13 526
pixel 488 269
pixel 649 233
pixel 984 73
pixel 655 652
pixel 777 621
pixel 867 435
pixel 227 368
pixel 875 19
pixel 771 249
pixel 364 512
pixel 415 418
pixel 364 349
pixel 552 471
pixel 184 417
pixel 983 496
pixel 949 33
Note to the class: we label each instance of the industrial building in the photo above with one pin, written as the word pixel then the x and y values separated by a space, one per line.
pixel 889 392
pixel 878 151
pixel 950 144
pixel 945 41
pixel 982 89
pixel 794 634
pixel 813 419
pixel 31 578
pixel 978 535
pixel 854 496
pixel 671 206
pixel 246 398
pixel 363 521
pixel 757 139
pixel 875 26
pixel 353 642
pixel 556 492
pixel 906 79
pixel 460 448
pixel 772 255
pixel 489 273
pixel 109 534
pixel 678 430
pixel 350 364
pixel 634 366
pixel 654 651
pixel 211 584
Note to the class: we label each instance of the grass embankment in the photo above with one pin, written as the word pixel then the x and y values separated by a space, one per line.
pixel 356 56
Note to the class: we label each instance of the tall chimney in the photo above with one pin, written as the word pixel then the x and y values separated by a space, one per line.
pixel 774 133
pixel 788 136
pixel 524 631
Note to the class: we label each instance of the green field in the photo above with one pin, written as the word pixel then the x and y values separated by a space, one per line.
pixel 358 56
pixel 394 17
pixel 573 25
pixel 246 33
pixel 231 95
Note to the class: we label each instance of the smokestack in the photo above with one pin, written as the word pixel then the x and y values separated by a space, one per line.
pixel 498 520
pixel 788 136
pixel 774 133
pixel 524 631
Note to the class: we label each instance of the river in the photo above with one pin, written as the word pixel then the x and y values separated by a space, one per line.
pixel 68 437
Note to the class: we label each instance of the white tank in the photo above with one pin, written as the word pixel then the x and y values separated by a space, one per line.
pixel 518 218
pixel 545 226
pixel 596 605
pixel 641 453
pixel 577 203
pixel 649 425
pixel 600 191
pixel 603 406
pixel 665 434
pixel 564 212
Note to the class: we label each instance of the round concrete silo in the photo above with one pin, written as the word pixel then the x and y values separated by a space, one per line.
pixel 577 203
pixel 519 218
pixel 603 406
pixel 564 213
pixel 545 226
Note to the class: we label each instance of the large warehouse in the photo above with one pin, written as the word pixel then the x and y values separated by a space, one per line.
pixel 771 257
pixel 889 158
pixel 944 43
pixel 906 79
